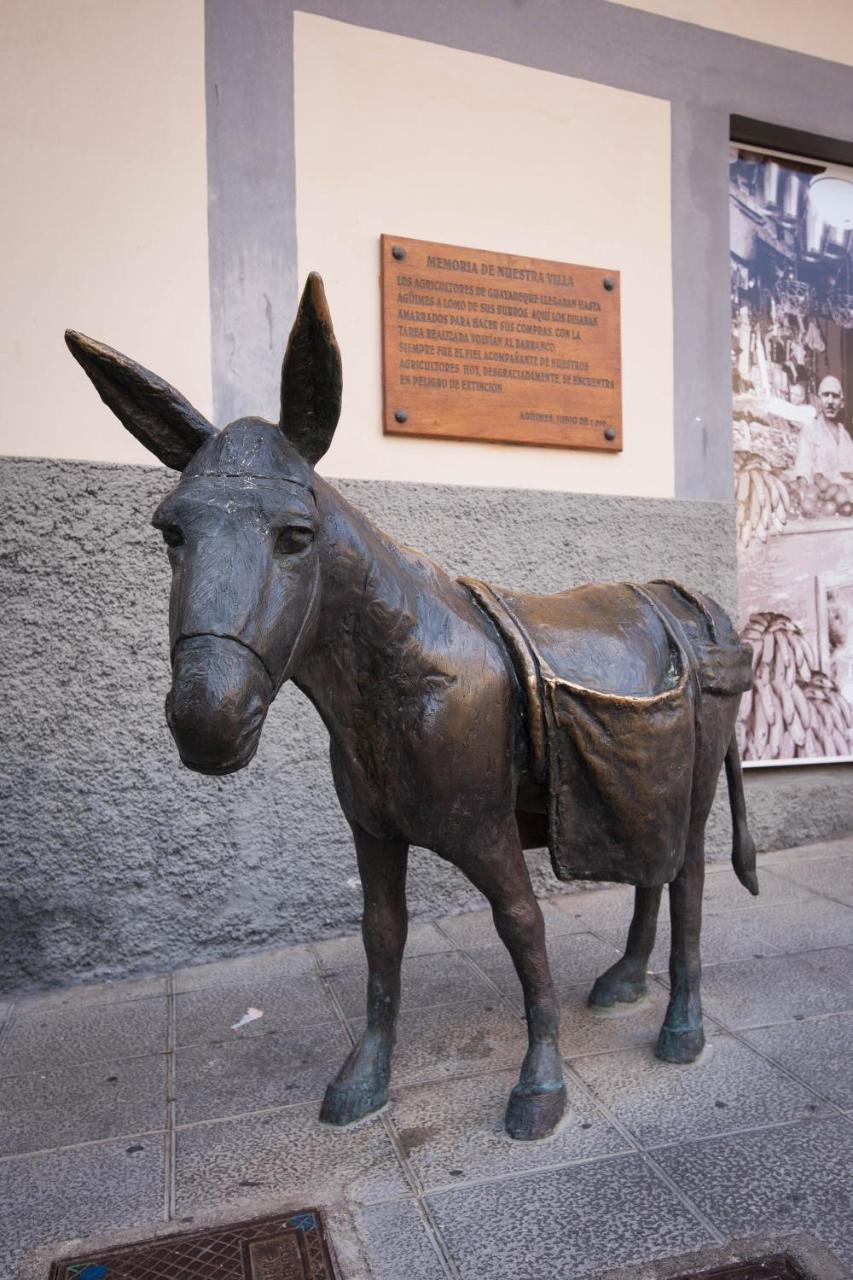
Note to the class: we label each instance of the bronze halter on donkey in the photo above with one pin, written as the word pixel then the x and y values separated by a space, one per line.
pixel 468 722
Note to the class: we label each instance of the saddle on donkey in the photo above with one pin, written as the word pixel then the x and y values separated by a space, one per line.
pixel 612 679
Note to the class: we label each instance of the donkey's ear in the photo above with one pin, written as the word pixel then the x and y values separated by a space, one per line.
pixel 311 376
pixel 154 412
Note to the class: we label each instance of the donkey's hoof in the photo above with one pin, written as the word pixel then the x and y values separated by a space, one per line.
pixel 680 1046
pixel 347 1103
pixel 534 1113
pixel 607 991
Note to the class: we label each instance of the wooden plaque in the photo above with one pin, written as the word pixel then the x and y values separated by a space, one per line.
pixel 490 346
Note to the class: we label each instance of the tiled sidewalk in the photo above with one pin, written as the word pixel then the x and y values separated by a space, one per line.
pixel 133 1103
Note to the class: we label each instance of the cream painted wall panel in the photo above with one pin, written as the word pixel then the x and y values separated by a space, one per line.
pixel 103 219
pixel 822 28
pixel 410 138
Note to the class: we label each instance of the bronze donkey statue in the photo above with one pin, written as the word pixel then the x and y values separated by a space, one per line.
pixel 471 722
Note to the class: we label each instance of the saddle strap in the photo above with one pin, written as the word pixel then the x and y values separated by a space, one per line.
pixel 526 666
pixel 724 668
pixel 692 599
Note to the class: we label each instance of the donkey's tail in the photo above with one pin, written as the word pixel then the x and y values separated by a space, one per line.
pixel 743 845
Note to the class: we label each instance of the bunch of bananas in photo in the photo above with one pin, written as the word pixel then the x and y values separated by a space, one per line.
pixel 763 499
pixel 794 710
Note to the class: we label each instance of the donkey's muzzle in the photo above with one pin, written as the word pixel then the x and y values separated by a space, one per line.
pixel 218 702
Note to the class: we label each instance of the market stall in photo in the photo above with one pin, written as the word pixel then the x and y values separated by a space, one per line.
pixel 792 374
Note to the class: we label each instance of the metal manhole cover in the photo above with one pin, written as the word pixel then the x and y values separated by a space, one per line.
pixel 282 1247
pixel 776 1267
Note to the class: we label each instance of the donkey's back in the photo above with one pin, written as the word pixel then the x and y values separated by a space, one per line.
pixel 619 638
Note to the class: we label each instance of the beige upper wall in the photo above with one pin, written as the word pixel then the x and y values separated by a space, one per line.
pixel 822 28
pixel 103 219
pixel 401 136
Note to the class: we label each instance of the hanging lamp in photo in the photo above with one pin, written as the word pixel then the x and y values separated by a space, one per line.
pixel 829 218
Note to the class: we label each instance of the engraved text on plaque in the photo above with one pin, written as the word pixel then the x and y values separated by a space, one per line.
pixel 490 346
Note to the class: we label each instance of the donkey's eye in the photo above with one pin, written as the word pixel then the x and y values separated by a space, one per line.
pixel 172 535
pixel 293 538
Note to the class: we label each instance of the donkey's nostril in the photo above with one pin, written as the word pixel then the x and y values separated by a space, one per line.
pixel 217 704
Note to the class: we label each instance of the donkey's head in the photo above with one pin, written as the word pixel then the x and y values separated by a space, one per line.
pixel 240 527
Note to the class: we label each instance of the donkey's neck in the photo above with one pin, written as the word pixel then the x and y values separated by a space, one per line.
pixel 382 608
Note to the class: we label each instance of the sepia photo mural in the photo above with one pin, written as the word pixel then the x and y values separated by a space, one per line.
pixel 792 371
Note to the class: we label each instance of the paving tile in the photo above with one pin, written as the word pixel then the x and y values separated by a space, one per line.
pixel 564 1223
pixel 94 993
pixel 806 852
pixel 468 1039
pixel 726 893
pixel 348 952
pixel 454 1132
pixel 89 1190
pixel 474 929
pixel 285 1154
pixel 729 1088
pixel 209 1014
pixel 262 1071
pixel 596 909
pixel 794 1178
pixel 830 876
pixel 724 938
pixel 754 993
pixel 397 1243
pixel 97 1033
pixel 557 920
pixel 284 962
pixel 575 958
pixel 471 929
pixel 578 959
pixel 584 1031
pixel 805 926
pixel 609 911
pixel 442 979
pixel 835 963
pixel 735 935
pixel 455 1040
pixel 819 1051
pixel 82 1104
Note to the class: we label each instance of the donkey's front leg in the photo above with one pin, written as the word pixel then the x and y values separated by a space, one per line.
pixel 361 1085
pixel 499 871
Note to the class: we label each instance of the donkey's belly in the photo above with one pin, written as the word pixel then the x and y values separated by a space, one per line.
pixel 532 828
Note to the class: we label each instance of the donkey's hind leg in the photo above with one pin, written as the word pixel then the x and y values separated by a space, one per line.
pixel 625 981
pixel 497 868
pixel 682 1036
pixel 361 1085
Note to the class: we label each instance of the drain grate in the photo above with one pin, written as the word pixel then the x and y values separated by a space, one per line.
pixel 776 1267
pixel 291 1247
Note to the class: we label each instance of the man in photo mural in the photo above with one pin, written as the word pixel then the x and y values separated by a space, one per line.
pixel 824 446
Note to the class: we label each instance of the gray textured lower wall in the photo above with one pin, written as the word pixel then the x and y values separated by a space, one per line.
pixel 116 859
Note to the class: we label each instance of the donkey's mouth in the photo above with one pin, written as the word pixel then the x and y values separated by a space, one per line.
pixel 220 695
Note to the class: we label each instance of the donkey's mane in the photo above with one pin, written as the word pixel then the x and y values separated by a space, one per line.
pixel 395 582
pixel 377 595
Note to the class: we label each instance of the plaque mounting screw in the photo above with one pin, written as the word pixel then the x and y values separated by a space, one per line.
pixel 609 434
pixel 398 252
pixel 609 283
pixel 401 415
